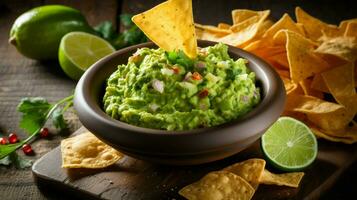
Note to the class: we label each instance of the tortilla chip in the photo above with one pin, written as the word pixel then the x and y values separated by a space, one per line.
pixel 213 29
pixel 349 132
pixel 302 61
pixel 285 23
pixel 326 115
pixel 268 52
pixel 254 45
pixel 250 170
pixel 281 59
pixel 87 151
pixel 343 24
pixel 242 32
pixel 301 27
pixel 224 26
pixel 289 85
pixel 332 121
pixel 299 116
pixel 343 47
pixel 245 31
pixel 315 27
pixel 318 83
pixel 170 26
pixel 283 73
pixel 240 15
pixel 288 179
pixel 351 29
pixel 207 35
pixel 321 134
pixel 308 90
pixel 218 185
pixel 340 82
pixel 264 27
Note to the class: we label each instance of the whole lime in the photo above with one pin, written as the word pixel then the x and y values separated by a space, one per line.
pixel 37 33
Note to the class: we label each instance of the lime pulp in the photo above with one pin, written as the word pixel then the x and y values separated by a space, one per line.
pixel 289 145
pixel 79 50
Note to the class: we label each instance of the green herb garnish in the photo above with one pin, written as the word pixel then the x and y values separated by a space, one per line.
pixel 36 112
pixel 130 36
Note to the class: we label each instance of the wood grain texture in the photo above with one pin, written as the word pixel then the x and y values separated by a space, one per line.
pixel 94 10
pixel 134 179
pixel 22 77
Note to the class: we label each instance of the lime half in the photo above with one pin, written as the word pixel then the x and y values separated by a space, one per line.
pixel 79 50
pixel 289 145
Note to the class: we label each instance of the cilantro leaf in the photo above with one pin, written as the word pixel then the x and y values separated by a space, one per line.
pixel 134 36
pixel 179 57
pixel 31 122
pixel 34 104
pixel 18 161
pixel 125 20
pixel 8 148
pixel 58 120
pixel 5 161
pixel 106 30
pixel 34 112
pixel 130 36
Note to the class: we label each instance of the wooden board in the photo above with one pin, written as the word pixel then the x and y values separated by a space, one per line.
pixel 134 179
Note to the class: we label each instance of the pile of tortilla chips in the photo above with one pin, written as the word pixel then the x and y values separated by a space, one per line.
pixel 87 151
pixel 238 181
pixel 315 60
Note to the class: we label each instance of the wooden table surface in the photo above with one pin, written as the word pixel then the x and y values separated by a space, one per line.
pixel 22 77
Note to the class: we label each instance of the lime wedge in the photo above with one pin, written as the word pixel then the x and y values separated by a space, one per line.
pixel 79 50
pixel 289 145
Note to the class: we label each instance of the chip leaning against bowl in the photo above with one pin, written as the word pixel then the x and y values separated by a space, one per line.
pixel 168 90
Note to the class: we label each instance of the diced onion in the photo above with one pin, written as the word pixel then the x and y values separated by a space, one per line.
pixel 222 64
pixel 201 65
pixel 158 85
pixel 187 76
pixel 244 98
pixel 153 107
pixel 166 71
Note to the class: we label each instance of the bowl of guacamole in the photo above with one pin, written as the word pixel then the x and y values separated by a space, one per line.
pixel 169 91
pixel 166 107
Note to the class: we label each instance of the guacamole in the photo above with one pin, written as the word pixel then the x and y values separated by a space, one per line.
pixel 168 90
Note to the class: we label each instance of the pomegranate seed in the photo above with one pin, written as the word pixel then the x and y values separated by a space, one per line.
pixel 196 76
pixel 44 132
pixel 3 140
pixel 176 70
pixel 27 149
pixel 13 138
pixel 203 93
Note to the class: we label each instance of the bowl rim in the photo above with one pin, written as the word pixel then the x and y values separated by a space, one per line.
pixel 273 80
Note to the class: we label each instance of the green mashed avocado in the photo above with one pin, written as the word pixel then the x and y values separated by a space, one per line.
pixel 167 90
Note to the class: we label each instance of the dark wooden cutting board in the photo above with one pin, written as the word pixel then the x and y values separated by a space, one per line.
pixel 134 179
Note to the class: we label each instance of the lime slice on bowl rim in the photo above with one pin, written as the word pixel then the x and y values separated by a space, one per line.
pixel 79 50
pixel 289 145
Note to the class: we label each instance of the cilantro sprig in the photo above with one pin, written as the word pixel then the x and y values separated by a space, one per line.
pixel 130 36
pixel 36 112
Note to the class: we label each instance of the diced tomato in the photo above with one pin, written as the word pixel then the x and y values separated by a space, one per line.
pixel 196 76
pixel 176 70
pixel 203 93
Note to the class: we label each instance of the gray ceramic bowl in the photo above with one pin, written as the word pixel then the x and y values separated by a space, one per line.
pixel 177 147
